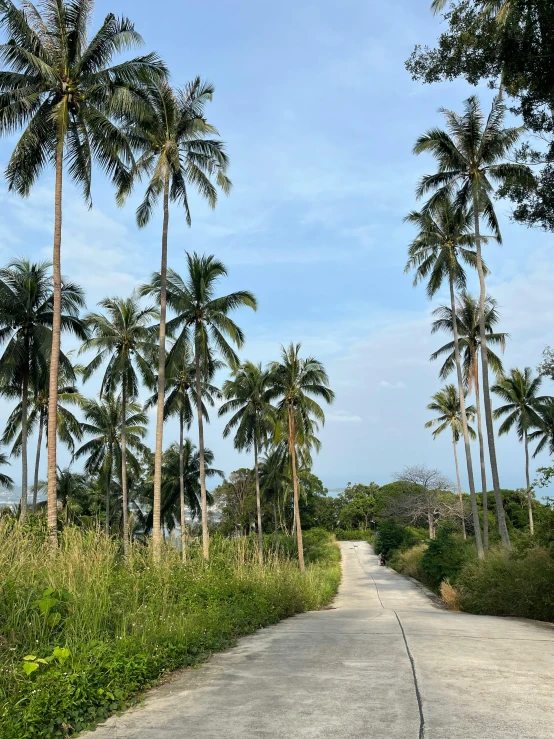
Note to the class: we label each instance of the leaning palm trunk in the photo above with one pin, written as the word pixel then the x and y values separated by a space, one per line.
pixel 276 522
pixel 462 512
pixel 182 489
pixel 297 522
pixel 529 493
pixel 258 504
pixel 37 460
pixel 24 399
pixel 55 354
pixel 203 496
pixel 473 498
pixel 157 503
pixel 500 515
pixel 475 364
pixel 124 471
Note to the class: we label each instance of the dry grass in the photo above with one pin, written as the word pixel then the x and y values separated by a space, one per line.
pixel 450 596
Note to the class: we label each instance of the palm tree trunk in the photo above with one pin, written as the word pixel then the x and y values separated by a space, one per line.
pixel 203 496
pixel 24 402
pixel 157 503
pixel 124 469
pixel 55 354
pixel 108 483
pixel 276 526
pixel 292 446
pixel 527 480
pixel 462 512
pixel 475 365
pixel 37 460
pixel 500 515
pixel 258 504
pixel 473 498
pixel 182 488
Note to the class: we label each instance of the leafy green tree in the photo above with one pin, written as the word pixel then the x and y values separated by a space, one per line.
pixel 26 320
pixel 274 482
pixel 68 98
pixel 68 425
pixel 471 156
pixel 469 335
pixel 103 452
pixel 202 320
pixel 237 502
pixel 122 338
pixel 509 45
pixel 181 401
pixel 446 403
pixel 522 409
pixel 245 395
pixel 296 382
pixel 178 152
pixel 446 240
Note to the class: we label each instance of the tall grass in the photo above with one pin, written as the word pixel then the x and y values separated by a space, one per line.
pixel 107 627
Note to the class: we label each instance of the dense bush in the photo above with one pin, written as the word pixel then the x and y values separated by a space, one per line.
pixel 519 585
pixel 391 538
pixel 444 558
pixel 82 630
pixel 409 562
pixel 355 535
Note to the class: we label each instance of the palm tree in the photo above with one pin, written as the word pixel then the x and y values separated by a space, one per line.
pixel 177 152
pixel 447 403
pixel 104 451
pixel 252 418
pixel 469 335
pixel 295 382
pixel 180 401
pixel 68 425
pixel 544 432
pixel 470 156
pixel 273 481
pixel 122 338
pixel 203 321
pixel 72 490
pixel 445 240
pixel 182 464
pixel 67 98
pixel 500 9
pixel 26 319
pixel 523 410
pixel 5 480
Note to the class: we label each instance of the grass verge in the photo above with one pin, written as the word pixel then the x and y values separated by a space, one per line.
pixel 82 630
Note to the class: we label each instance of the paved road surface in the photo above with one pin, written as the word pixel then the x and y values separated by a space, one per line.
pixel 384 663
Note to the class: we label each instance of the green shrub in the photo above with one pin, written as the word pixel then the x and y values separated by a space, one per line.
pixel 518 585
pixel 82 630
pixel 355 535
pixel 409 562
pixel 444 558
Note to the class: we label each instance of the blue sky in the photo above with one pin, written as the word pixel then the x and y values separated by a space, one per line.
pixel 319 116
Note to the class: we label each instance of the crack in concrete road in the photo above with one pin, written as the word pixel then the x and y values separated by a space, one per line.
pixel 342 673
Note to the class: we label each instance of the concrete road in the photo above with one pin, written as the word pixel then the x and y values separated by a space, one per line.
pixel 384 663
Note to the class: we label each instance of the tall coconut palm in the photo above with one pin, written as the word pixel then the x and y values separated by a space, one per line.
pixel 295 383
pixel 522 409
pixel 68 425
pixel 5 480
pixel 103 452
pixel 471 157
pixel 178 152
pixel 469 333
pixel 181 401
pixel 252 418
pixel 500 9
pixel 66 95
pixel 273 482
pixel 444 243
pixel 446 403
pixel 26 320
pixel 122 338
pixel 203 321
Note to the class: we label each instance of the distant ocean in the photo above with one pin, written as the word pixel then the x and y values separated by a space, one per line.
pixel 12 497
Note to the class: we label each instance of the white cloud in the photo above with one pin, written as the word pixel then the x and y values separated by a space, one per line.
pixel 394 385
pixel 343 417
